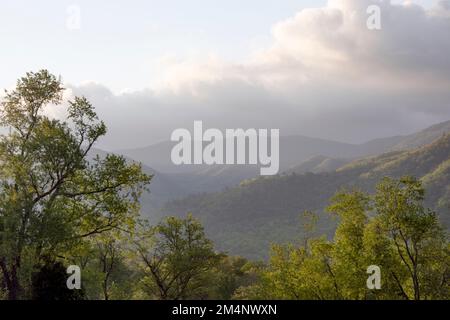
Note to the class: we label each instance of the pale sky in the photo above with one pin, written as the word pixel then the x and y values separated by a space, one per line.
pixel 304 67
pixel 121 42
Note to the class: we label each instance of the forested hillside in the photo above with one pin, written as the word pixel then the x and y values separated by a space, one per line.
pixel 297 155
pixel 294 150
pixel 244 220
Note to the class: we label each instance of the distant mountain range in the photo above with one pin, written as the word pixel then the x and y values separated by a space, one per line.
pixel 318 164
pixel 244 213
pixel 297 154
pixel 294 150
pixel 244 220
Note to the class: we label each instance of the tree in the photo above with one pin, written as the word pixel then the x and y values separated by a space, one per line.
pixel 295 273
pixel 416 236
pixel 109 259
pixel 105 261
pixel 51 196
pixel 390 229
pixel 175 257
pixel 348 266
pixel 112 251
pixel 227 276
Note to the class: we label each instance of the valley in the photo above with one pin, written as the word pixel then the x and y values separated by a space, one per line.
pixel 244 213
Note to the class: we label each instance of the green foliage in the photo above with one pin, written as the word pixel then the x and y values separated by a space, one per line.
pixel 392 230
pixel 227 276
pixel 417 238
pixel 51 196
pixel 175 258
pixel 246 219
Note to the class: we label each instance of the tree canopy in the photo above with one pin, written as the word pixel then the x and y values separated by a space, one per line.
pixel 390 229
pixel 51 193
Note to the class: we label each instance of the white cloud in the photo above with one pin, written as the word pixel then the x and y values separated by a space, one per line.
pixel 325 75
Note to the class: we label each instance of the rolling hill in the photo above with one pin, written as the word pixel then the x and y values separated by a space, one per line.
pixel 294 150
pixel 297 154
pixel 318 164
pixel 244 220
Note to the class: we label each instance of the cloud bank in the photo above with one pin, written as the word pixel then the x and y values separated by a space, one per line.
pixel 325 75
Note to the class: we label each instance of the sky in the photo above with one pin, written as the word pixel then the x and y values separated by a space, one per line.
pixel 307 67
pixel 130 36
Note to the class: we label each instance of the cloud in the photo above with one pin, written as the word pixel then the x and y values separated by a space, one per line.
pixel 325 74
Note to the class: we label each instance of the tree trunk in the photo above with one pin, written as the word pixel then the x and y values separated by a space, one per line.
pixel 11 280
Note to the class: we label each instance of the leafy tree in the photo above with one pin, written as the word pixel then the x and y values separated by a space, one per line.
pixel 348 266
pixel 295 274
pixel 228 275
pixel 175 257
pixel 108 273
pixel 391 229
pixel 110 255
pixel 51 196
pixel 416 236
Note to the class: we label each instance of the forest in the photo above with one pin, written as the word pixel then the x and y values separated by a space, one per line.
pixel 62 205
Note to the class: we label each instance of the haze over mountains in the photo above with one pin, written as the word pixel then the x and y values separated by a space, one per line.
pixel 297 154
pixel 294 150
pixel 244 213
pixel 246 219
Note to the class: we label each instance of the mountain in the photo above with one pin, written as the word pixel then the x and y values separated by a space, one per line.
pixel 423 137
pixel 297 154
pixel 244 220
pixel 318 164
pixel 171 186
pixel 164 187
pixel 156 156
pixel 294 150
